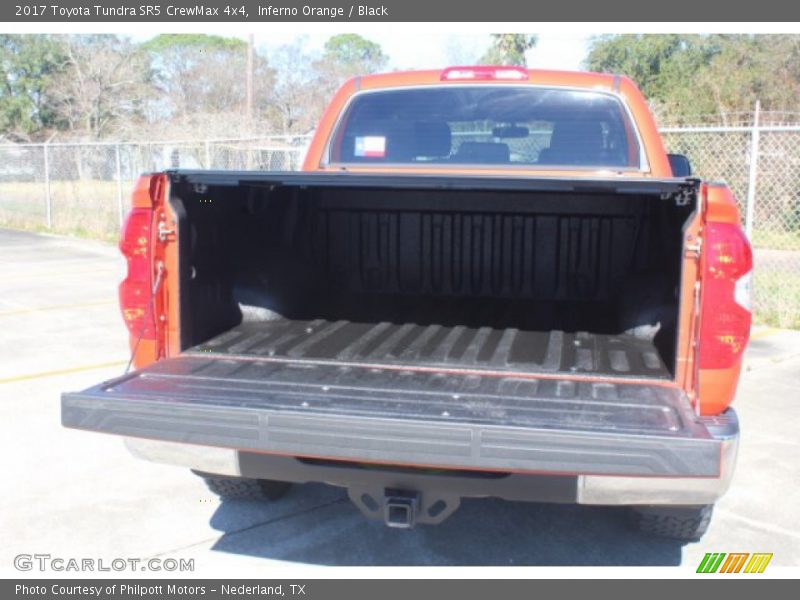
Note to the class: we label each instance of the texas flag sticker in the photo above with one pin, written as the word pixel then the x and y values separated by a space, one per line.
pixel 372 146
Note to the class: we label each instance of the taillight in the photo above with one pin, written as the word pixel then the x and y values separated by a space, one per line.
pixel 726 313
pixel 136 289
pixel 482 73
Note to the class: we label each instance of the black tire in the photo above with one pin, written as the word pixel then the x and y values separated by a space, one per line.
pixel 242 488
pixel 687 523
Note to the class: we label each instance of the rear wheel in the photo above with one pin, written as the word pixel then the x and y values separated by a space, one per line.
pixel 243 488
pixel 687 523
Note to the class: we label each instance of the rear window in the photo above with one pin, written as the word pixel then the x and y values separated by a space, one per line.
pixel 487 125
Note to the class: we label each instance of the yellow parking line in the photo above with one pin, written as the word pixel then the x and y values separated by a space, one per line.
pixel 22 311
pixel 116 363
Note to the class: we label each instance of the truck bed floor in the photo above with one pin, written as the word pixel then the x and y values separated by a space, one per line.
pixel 437 346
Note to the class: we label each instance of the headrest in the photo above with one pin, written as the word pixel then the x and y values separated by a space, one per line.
pixel 483 152
pixel 433 138
pixel 569 135
pixel 575 143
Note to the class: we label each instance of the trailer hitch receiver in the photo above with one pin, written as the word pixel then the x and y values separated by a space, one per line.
pixel 404 507
pixel 400 508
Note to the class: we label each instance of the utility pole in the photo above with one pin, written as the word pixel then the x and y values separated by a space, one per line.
pixel 752 179
pixel 249 83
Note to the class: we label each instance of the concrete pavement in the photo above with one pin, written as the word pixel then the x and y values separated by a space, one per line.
pixel 77 494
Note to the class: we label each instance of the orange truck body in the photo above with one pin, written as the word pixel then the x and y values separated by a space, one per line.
pixel 663 445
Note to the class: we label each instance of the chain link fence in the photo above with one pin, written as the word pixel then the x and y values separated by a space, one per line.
pixel 83 189
pixel 761 164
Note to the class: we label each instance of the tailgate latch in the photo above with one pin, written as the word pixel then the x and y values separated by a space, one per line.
pixel 165 233
pixel 693 247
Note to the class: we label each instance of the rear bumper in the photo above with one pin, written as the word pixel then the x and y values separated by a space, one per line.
pixel 670 490
pixel 539 487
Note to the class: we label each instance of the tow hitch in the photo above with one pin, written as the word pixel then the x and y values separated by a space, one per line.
pixel 404 508
pixel 400 508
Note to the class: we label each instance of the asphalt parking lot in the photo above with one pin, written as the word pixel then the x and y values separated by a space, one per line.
pixel 76 494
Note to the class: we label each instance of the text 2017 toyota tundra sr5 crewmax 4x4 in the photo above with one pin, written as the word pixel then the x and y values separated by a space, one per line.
pixel 486 281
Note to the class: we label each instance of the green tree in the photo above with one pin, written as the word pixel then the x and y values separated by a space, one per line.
pixel 28 66
pixel 352 53
pixel 508 49
pixel 746 68
pixel 695 78
pixel 655 62
pixel 198 41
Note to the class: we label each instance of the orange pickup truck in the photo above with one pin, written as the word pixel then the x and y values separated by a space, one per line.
pixel 487 281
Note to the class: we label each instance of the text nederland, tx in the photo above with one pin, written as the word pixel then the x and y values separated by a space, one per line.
pixel 158 590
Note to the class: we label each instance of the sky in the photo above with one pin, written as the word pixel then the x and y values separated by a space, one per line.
pixel 428 50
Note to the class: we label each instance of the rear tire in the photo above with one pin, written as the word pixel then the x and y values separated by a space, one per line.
pixel 687 523
pixel 243 488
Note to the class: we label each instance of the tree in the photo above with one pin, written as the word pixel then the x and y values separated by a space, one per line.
pixel 746 68
pixel 298 96
pixel 306 82
pixel 661 65
pixel 103 87
pixel 691 78
pixel 508 49
pixel 351 52
pixel 199 73
pixel 28 64
pixel 344 56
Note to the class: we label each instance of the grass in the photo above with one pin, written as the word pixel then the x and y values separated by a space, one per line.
pixel 777 297
pixel 776 240
pixel 82 208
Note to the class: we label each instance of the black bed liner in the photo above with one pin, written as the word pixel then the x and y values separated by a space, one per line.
pixel 438 346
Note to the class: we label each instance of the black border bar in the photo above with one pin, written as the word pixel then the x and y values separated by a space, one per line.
pixel 264 11
pixel 403 589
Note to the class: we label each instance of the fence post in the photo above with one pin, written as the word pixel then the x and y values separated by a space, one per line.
pixel 47 194
pixel 120 208
pixel 752 180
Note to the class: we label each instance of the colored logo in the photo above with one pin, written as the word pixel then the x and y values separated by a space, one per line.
pixel 734 562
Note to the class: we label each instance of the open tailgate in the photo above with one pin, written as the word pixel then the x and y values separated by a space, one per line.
pixel 446 418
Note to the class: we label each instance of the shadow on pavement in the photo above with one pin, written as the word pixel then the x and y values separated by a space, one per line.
pixel 317 524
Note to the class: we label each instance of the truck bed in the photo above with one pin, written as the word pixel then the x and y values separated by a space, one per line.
pixel 442 347
pixel 467 323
